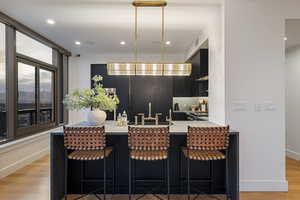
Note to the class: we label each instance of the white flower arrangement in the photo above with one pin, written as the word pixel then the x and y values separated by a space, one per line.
pixel 95 98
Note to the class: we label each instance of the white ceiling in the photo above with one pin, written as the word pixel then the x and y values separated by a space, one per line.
pixel 292 32
pixel 101 24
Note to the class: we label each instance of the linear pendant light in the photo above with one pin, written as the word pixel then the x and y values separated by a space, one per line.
pixel 150 69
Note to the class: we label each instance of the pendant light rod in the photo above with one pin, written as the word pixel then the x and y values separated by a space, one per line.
pixel 136 36
pixel 149 3
pixel 162 34
pixel 149 69
pixel 162 28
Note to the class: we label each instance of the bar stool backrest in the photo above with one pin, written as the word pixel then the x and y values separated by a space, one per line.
pixel 156 138
pixel 84 138
pixel 208 138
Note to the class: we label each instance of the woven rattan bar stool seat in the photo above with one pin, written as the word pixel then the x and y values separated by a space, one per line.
pixel 89 154
pixel 86 144
pixel 149 154
pixel 149 144
pixel 206 144
pixel 203 154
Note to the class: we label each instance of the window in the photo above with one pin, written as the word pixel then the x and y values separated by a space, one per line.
pixel 36 77
pixel 35 94
pixel 32 48
pixel 46 96
pixel 26 95
pixel 3 115
pixel 33 81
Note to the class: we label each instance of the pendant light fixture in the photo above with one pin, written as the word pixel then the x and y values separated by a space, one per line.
pixel 161 68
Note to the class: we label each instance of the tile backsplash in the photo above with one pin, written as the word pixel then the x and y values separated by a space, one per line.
pixel 185 103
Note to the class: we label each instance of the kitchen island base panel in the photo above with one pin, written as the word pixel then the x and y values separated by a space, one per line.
pixel 91 172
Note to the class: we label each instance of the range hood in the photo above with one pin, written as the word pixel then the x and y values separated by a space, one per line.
pixel 150 69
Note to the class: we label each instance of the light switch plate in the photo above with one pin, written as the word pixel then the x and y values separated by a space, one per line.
pixel 269 107
pixel 258 107
pixel 240 106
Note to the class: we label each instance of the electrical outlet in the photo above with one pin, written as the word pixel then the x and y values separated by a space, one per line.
pixel 257 107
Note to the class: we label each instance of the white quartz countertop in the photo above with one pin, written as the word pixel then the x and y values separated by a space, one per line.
pixel 176 127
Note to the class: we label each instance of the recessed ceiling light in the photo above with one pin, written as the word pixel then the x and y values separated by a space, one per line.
pixel 122 42
pixel 77 43
pixel 50 21
pixel 285 38
pixel 168 42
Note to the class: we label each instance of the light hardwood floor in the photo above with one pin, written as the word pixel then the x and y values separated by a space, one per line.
pixel 32 183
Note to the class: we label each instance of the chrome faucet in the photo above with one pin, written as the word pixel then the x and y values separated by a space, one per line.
pixel 149 118
pixel 157 118
pixel 170 116
pixel 149 107
pixel 143 118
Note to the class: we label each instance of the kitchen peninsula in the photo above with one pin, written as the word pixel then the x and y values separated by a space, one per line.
pixel 90 172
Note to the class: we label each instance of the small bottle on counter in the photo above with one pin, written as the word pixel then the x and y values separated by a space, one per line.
pixel 124 118
pixel 201 105
pixel 119 120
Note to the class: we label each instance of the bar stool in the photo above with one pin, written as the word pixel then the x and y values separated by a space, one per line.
pixel 207 144
pixel 86 144
pixel 149 144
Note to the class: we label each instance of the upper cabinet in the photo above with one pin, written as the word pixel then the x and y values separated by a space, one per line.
pixel 199 76
pixel 182 86
pixel 197 84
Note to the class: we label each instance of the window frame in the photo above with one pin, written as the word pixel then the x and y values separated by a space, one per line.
pixel 6 79
pixel 36 40
pixel 12 57
pixel 54 96
pixel 37 127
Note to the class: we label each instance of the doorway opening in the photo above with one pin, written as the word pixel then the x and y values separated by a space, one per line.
pixel 292 99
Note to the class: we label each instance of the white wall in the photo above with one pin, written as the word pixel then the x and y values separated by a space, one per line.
pixel 17 154
pixel 255 87
pixel 214 32
pixel 217 68
pixel 293 102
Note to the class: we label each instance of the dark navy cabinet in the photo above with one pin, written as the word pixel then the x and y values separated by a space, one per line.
pixel 199 70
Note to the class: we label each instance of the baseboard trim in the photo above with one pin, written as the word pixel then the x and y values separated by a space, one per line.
pixel 292 154
pixel 264 186
pixel 23 162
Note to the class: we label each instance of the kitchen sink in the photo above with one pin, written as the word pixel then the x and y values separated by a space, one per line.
pixel 151 123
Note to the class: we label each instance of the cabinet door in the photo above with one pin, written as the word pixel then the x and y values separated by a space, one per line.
pixel 182 86
pixel 195 60
pixel 203 85
pixel 179 116
pixel 199 69
pixel 157 90
pixel 203 62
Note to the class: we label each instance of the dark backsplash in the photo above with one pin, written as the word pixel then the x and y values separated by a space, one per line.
pixel 135 92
